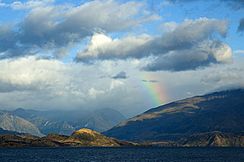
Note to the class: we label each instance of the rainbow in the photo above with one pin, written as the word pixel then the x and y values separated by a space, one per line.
pixel 155 89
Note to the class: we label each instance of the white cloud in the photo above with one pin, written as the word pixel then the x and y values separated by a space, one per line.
pixel 113 48
pixel 94 92
pixel 30 4
pixel 50 84
pixel 116 83
pixel 51 27
pixel 168 26
pixel 37 83
pixel 189 45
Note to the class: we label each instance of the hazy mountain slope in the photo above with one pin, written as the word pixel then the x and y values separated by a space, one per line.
pixel 66 122
pixel 99 120
pixel 220 111
pixel 14 123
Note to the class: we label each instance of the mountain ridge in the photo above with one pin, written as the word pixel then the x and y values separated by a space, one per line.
pixel 220 111
pixel 15 123
pixel 66 122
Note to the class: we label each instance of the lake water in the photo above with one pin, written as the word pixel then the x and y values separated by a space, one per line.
pixel 122 154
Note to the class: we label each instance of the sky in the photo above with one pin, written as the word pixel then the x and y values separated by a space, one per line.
pixel 121 54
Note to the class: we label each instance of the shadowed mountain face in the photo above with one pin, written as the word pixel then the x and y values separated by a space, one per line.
pixel 10 122
pixel 3 132
pixel 220 111
pixel 66 122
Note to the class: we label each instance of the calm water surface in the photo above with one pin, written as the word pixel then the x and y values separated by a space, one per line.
pixel 122 154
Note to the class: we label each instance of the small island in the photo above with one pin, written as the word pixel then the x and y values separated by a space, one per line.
pixel 80 138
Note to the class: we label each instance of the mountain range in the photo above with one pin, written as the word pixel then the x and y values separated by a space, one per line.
pixel 211 120
pixel 17 124
pixel 221 112
pixel 41 123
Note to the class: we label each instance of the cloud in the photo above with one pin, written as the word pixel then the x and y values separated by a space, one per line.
pixel 28 74
pixel 233 4
pixel 227 77
pixel 94 92
pixel 102 47
pixel 2 4
pixel 50 27
pixel 120 75
pixel 37 83
pixel 241 25
pixel 30 4
pixel 149 81
pixel 190 59
pixel 41 84
pixel 190 45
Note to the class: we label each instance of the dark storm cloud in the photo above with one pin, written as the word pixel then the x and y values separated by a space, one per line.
pixel 193 58
pixel 150 81
pixel 120 75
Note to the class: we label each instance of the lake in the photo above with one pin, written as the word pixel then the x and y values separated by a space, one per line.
pixel 139 154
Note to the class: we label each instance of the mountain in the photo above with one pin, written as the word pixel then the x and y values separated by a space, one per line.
pixel 81 138
pixel 9 122
pixel 103 119
pixel 213 139
pixel 66 122
pixel 220 111
pixel 208 139
pixel 2 132
pixel 89 137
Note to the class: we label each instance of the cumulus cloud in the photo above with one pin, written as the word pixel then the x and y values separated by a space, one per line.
pixel 51 27
pixel 193 58
pixel 241 25
pixel 189 45
pixel 120 75
pixel 37 83
pixel 102 47
pixel 28 74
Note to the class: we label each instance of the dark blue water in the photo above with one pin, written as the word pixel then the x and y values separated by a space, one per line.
pixel 122 154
